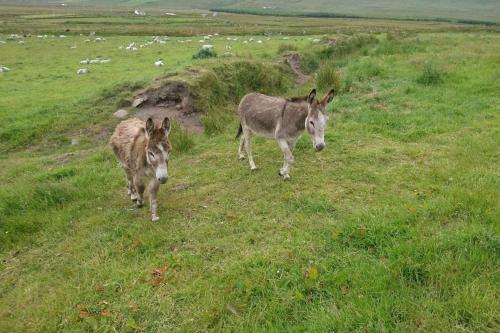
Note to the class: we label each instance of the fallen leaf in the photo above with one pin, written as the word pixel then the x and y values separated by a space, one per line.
pixel 83 314
pixel 158 281
pixel 313 273
pixel 103 302
pixel 159 271
pixel 231 216
pixel 106 313
pixel 136 243
pixel 132 324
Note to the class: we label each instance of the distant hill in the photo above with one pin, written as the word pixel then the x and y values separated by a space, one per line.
pixel 479 10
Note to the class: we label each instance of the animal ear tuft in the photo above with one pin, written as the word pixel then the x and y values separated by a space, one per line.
pixel 329 97
pixel 150 126
pixel 312 96
pixel 166 125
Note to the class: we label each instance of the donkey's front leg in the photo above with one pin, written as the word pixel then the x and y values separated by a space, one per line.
pixel 153 203
pixel 287 152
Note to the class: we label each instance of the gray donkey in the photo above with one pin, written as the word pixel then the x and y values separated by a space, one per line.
pixel 284 120
pixel 143 150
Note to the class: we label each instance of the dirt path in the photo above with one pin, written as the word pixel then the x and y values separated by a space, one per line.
pixel 293 60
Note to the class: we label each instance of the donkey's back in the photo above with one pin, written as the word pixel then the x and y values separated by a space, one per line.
pixel 124 138
pixel 261 113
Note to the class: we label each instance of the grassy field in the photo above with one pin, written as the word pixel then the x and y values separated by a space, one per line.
pixel 470 10
pixel 394 227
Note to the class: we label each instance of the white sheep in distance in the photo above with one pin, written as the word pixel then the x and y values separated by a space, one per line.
pixel 85 62
pixel 207 47
pixel 4 69
pixel 159 63
pixel 94 61
pixel 105 61
pixel 82 71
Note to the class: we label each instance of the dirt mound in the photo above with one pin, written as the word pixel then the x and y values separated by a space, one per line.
pixel 293 60
pixel 173 99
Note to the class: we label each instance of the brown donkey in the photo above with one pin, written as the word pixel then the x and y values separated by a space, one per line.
pixel 284 120
pixel 143 150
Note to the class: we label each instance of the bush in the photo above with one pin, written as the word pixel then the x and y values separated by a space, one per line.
pixel 286 47
pixel 328 77
pixel 430 75
pixel 205 54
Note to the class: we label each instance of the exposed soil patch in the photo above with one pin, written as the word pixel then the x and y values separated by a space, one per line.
pixel 174 100
pixel 293 60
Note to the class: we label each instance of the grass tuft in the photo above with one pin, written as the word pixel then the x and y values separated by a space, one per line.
pixel 328 77
pixel 430 75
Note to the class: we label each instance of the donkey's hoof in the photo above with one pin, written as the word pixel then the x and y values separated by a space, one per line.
pixel 241 157
pixel 286 177
pixel 155 218
pixel 253 169
pixel 140 204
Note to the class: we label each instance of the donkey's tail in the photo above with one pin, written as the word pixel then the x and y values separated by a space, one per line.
pixel 240 130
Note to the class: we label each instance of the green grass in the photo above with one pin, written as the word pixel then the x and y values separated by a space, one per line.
pixel 393 227
pixel 470 11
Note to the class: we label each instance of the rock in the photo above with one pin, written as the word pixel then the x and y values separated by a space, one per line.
pixel 75 141
pixel 178 106
pixel 138 101
pixel 180 187
pixel 121 114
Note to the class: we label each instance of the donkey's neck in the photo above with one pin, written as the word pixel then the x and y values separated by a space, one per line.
pixel 294 118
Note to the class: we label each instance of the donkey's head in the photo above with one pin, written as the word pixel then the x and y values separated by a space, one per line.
pixel 158 148
pixel 317 118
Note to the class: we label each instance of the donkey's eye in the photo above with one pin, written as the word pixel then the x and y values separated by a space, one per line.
pixel 151 154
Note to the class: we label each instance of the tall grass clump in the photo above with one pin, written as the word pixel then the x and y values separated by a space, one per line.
pixel 309 62
pixel 286 47
pixel 180 139
pixel 430 75
pixel 328 77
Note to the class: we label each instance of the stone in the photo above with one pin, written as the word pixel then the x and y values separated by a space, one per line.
pixel 121 114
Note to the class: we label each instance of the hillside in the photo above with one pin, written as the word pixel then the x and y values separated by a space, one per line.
pixel 477 10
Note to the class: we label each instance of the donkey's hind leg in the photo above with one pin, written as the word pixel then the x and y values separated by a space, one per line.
pixel 240 149
pixel 248 146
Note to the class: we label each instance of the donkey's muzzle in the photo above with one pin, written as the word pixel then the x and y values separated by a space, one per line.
pixel 162 180
pixel 319 146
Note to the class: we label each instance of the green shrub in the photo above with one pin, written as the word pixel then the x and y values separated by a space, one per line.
pixel 430 75
pixel 205 54
pixel 328 77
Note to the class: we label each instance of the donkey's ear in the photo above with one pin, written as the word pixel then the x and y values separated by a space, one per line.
pixel 329 97
pixel 150 126
pixel 166 124
pixel 311 97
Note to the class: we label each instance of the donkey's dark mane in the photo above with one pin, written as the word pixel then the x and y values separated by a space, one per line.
pixel 297 99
